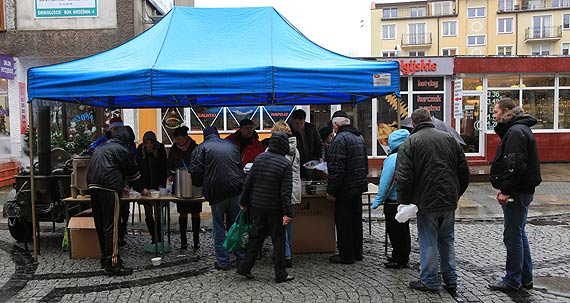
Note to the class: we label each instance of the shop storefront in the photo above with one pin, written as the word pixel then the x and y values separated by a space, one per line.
pixel 541 86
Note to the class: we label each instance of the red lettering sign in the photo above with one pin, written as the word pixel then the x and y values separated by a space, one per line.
pixel 413 66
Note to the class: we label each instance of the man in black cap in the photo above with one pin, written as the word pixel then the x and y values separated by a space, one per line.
pixel 247 141
pixel 348 170
pixel 309 141
pixel 216 165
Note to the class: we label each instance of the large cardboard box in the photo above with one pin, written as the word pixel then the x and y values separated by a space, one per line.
pixel 313 225
pixel 84 240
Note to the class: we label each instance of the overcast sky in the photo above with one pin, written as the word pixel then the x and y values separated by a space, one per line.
pixel 339 25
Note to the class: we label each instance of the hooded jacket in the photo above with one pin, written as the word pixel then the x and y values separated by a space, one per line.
pixel 152 164
pixel 268 185
pixel 347 163
pixel 295 159
pixel 431 170
pixel 516 167
pixel 113 163
pixel 216 165
pixel 251 150
pixel 387 187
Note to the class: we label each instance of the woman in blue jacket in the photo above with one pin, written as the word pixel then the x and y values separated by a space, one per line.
pixel 399 233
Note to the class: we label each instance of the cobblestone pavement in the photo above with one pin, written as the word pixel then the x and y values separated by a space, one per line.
pixel 192 278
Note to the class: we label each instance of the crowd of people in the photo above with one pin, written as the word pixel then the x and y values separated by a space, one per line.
pixel 426 167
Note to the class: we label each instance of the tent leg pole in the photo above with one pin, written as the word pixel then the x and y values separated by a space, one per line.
pixel 32 179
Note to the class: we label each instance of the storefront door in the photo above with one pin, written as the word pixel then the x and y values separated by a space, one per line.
pixel 471 125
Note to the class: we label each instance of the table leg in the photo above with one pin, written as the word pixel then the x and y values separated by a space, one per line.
pixel 67 224
pixel 168 220
pixel 161 230
pixel 369 216
pixel 156 220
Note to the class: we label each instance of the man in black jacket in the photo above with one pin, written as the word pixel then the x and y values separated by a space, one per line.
pixel 309 141
pixel 111 163
pixel 432 173
pixel 348 170
pixel 216 164
pixel 267 194
pixel 515 172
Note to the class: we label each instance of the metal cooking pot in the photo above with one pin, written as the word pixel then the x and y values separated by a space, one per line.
pixel 184 187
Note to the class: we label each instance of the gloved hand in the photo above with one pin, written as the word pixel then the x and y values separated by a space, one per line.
pixel 376 203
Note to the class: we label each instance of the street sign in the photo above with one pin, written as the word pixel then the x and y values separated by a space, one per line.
pixel 458 99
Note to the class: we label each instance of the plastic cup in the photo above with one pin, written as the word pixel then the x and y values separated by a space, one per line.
pixel 156 261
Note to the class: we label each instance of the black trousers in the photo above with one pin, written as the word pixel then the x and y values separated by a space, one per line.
pixel 348 221
pixel 264 224
pixel 399 234
pixel 106 209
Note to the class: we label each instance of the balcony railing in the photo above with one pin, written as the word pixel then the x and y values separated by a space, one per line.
pixel 543 33
pixel 528 5
pixel 429 10
pixel 416 39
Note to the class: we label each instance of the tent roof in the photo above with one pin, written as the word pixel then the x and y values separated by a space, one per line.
pixel 215 57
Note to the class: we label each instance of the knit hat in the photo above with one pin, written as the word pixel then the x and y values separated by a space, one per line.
pixel 181 131
pixel 325 131
pixel 245 122
pixel 339 114
pixel 210 130
pixel 115 121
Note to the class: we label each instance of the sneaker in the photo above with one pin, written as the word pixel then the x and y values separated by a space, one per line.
pixel 418 285
pixel 501 286
pixel 451 287
pixel 528 286
pixel 248 274
pixel 336 259
pixel 287 278
pixel 288 263
pixel 114 271
pixel 219 267
pixel 395 265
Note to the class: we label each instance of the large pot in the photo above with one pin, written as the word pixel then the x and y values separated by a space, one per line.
pixel 184 187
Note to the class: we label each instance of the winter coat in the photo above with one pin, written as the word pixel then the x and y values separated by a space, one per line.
pixel 387 186
pixel 216 165
pixel 516 167
pixel 268 185
pixel 113 163
pixel 252 149
pixel 152 166
pixel 312 147
pixel 176 155
pixel 431 170
pixel 295 159
pixel 347 163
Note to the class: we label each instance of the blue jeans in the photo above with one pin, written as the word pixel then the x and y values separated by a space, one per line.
pixel 288 240
pixel 519 261
pixel 227 207
pixel 436 233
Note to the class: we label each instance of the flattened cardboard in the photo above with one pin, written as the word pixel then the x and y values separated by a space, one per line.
pixel 313 225
pixel 84 240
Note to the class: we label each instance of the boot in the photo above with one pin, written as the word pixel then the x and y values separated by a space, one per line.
pixel 150 226
pixel 183 222
pixel 196 232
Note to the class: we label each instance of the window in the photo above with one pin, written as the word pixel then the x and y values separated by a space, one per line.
pixel 476 12
pixel 416 53
pixel 449 52
pixel 442 8
pixel 390 12
pixel 476 40
pixel 505 25
pixel 388 53
pixel 566 49
pixel 540 50
pixel 504 50
pixel 417 33
pixel 560 3
pixel 2 22
pixel 564 108
pixel 506 5
pixel 417 11
pixel 449 28
pixel 389 32
pixel 566 21
pixel 542 27
pixel 540 104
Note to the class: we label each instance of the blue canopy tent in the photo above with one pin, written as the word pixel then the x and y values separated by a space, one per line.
pixel 215 57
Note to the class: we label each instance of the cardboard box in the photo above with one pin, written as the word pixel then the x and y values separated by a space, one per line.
pixel 84 240
pixel 313 226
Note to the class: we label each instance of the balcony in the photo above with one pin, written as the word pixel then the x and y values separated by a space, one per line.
pixel 539 34
pixel 414 40
pixel 530 5
pixel 432 9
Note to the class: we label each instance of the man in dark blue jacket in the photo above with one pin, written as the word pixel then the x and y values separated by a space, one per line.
pixel 347 165
pixel 267 194
pixel 515 172
pixel 216 164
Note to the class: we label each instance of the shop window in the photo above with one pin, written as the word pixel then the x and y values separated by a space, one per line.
pixel 449 52
pixel 389 32
pixel 493 96
pixel 202 117
pixel 473 83
pixel 449 28
pixel 564 109
pixel 171 118
pixel 475 12
pixel 272 114
pixel 361 118
pixel 388 53
pixel 566 49
pixel 540 104
pixel 403 84
pixel 538 80
pixel 505 25
pixel 477 40
pixel 238 113
pixel 564 80
pixel 4 116
pixel 387 118
pixel 391 12
pixel 566 22
pixel 504 50
pixel 503 80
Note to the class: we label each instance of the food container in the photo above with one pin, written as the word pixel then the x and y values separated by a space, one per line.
pixel 163 191
pixel 305 187
pixel 154 193
pixel 184 187
pixel 318 188
pixel 156 261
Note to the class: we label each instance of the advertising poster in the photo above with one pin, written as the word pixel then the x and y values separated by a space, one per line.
pixel 272 114
pixel 431 102
pixel 65 8
pixel 7 67
pixel 23 107
pixel 388 119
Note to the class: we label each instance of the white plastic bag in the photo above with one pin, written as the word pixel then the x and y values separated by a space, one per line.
pixel 322 167
pixel 406 212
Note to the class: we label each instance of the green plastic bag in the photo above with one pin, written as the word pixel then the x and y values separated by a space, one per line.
pixel 238 235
